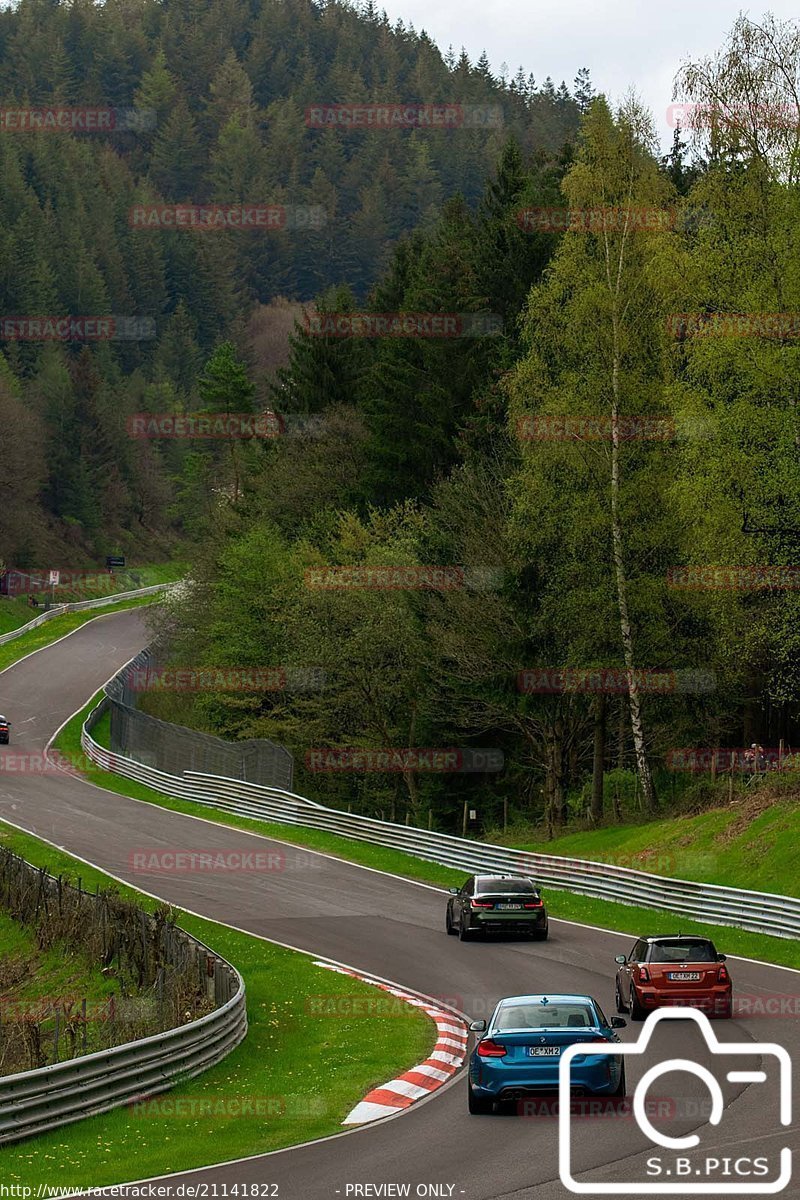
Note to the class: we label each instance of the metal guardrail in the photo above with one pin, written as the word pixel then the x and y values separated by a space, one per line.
pixel 79 605
pixel 172 748
pixel 759 912
pixel 35 1101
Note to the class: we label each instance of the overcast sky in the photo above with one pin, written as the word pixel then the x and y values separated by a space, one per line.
pixel 622 42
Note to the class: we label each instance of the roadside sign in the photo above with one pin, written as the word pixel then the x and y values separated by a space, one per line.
pixel 115 560
pixel 54 578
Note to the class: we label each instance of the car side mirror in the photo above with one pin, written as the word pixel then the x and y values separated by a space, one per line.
pixel 477 1027
pixel 621 959
pixel 453 891
pixel 618 1022
pixel 722 958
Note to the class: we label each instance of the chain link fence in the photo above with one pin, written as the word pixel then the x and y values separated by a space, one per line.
pixel 174 749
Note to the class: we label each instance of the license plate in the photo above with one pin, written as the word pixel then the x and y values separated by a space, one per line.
pixel 684 976
pixel 544 1051
pixel 507 907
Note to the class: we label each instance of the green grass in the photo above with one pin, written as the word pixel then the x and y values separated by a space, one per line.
pixel 14 613
pixel 751 843
pixel 55 973
pixel 34 980
pixel 295 1077
pixel 566 905
pixel 51 631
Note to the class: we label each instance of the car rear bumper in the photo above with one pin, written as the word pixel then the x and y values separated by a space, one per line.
pixel 716 1000
pixel 599 1074
pixel 497 922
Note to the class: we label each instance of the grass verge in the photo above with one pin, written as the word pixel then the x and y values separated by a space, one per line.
pixel 294 1078
pixel 752 840
pixel 34 982
pixel 566 905
pixel 13 613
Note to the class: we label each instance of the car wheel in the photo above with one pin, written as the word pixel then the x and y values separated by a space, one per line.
pixel 465 935
pixel 618 998
pixel 451 929
pixel 725 1012
pixel 635 1010
pixel 478 1104
pixel 541 935
pixel 622 1087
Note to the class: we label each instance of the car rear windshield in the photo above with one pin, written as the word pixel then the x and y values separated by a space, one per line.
pixel 546 1016
pixel 512 886
pixel 680 952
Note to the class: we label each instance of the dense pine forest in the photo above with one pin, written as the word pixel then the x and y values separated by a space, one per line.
pixel 208 105
pixel 600 457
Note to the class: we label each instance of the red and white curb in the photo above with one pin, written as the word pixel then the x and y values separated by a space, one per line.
pixel 445 1059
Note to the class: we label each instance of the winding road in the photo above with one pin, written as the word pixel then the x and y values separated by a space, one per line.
pixel 394 929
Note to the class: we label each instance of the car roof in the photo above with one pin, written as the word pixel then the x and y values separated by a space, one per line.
pixel 503 875
pixel 677 937
pixel 549 998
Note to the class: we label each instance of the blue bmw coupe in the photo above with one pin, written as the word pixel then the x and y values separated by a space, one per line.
pixel 518 1052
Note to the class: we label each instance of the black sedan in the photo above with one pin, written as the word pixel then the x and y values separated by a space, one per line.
pixel 497 904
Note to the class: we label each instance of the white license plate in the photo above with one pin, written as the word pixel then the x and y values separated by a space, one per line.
pixel 544 1051
pixel 507 907
pixel 684 976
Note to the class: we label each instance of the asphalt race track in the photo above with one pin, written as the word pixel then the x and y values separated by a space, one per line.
pixel 394 929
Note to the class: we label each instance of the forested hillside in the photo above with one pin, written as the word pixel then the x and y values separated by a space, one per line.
pixel 608 484
pixel 530 484
pixel 200 103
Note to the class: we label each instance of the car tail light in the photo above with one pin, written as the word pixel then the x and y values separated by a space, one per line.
pixel 481 903
pixel 533 904
pixel 723 975
pixel 644 975
pixel 489 1049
